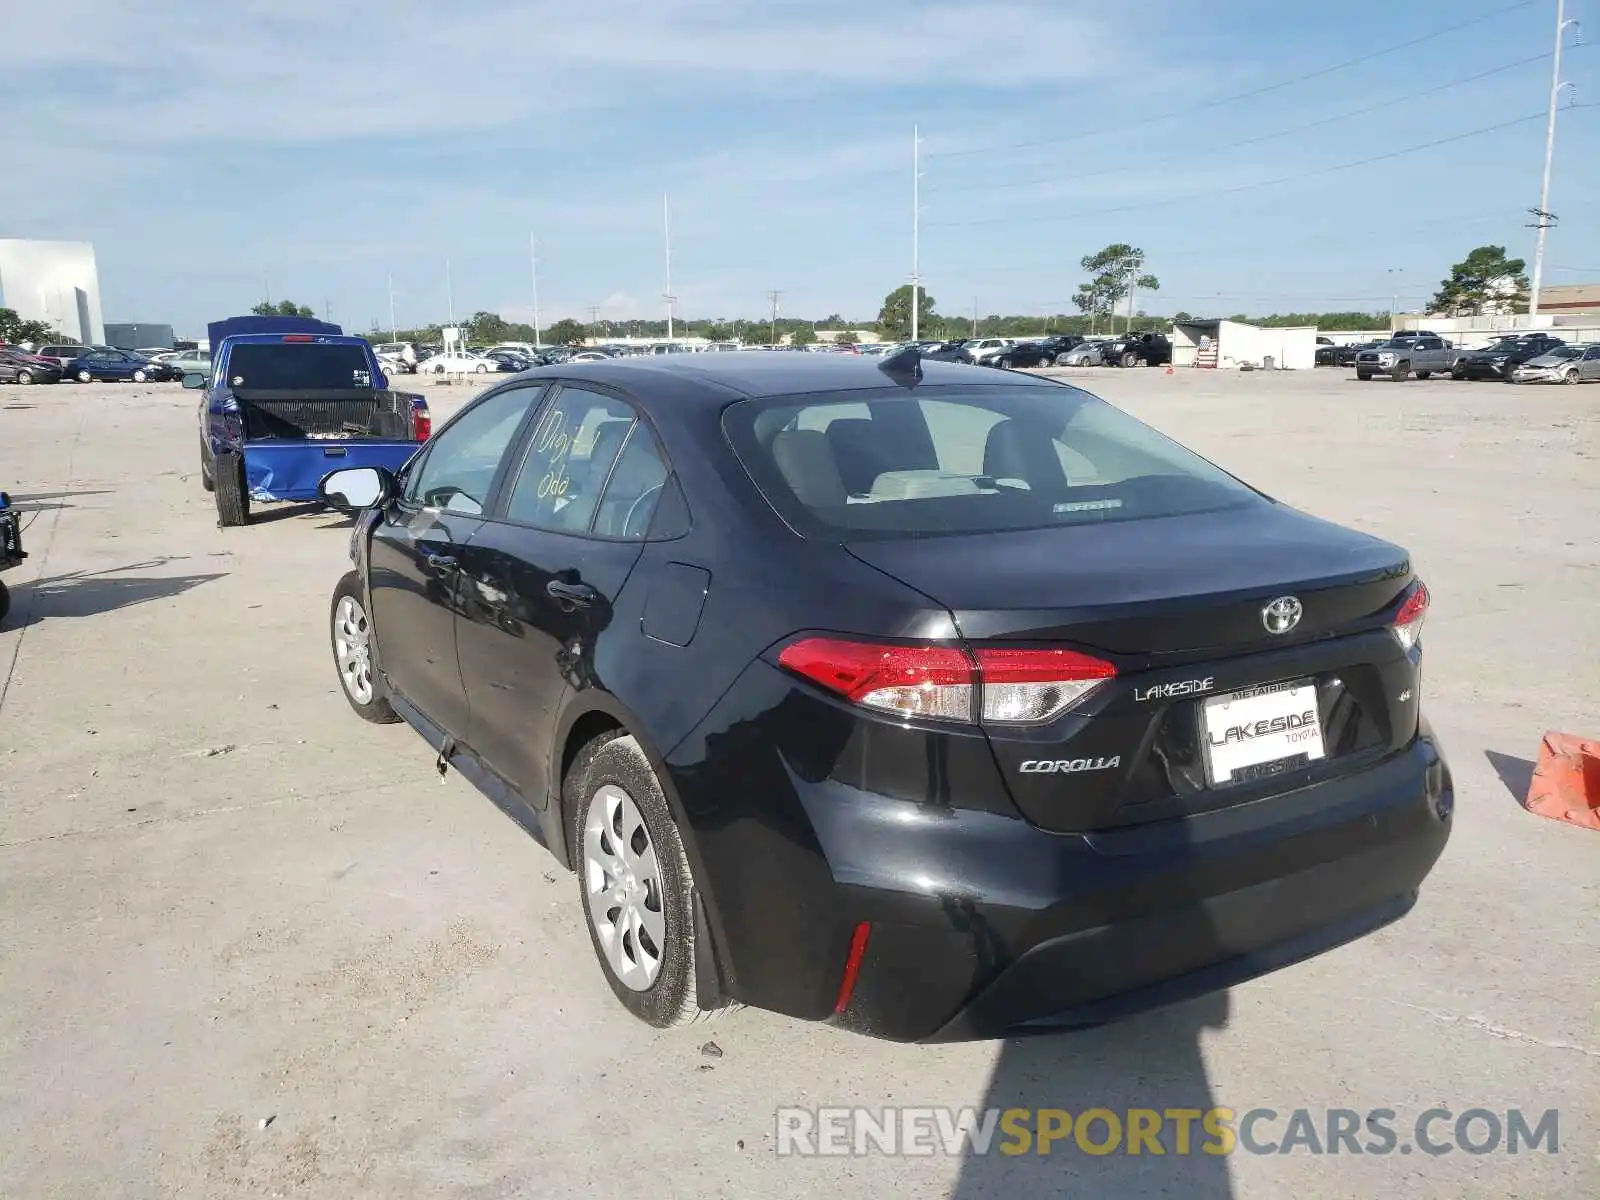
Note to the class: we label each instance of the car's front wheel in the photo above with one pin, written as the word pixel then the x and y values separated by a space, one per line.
pixel 24 377
pixel 139 376
pixel 1571 375
pixel 1364 375
pixel 85 377
pixel 351 637
pixel 1458 371
pixel 1130 359
pixel 634 880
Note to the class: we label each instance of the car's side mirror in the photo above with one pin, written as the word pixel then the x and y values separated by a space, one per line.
pixel 356 488
pixel 194 379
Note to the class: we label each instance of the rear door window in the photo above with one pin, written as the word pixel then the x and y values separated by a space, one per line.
pixel 965 460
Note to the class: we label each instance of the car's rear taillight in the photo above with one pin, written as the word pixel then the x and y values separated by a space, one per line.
pixel 1016 686
pixel 421 422
pixel 1407 624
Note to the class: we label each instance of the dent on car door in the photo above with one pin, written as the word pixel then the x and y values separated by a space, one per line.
pixel 540 584
pixel 415 553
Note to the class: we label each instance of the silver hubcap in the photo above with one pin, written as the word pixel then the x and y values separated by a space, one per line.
pixel 622 881
pixel 352 647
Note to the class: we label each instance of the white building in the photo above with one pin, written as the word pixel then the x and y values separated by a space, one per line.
pixel 53 282
pixel 1232 344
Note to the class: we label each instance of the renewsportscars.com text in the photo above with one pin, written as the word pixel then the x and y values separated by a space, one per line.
pixel 1162 1131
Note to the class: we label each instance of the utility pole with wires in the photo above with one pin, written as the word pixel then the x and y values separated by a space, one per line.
pixel 533 267
pixel 594 321
pixel 916 230
pixel 449 293
pixel 666 225
pixel 1543 218
pixel 974 316
pixel 774 297
pixel 394 329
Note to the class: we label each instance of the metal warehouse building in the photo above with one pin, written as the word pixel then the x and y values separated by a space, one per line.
pixel 53 282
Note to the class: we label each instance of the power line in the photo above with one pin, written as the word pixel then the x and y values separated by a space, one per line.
pixel 1202 106
pixel 1265 137
pixel 1248 187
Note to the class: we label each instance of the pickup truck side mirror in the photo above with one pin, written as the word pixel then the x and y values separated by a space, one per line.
pixel 356 488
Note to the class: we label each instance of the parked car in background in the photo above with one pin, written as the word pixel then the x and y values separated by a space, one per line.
pixel 116 366
pixel 65 352
pixel 1327 353
pixel 1564 364
pixel 19 367
pixel 463 362
pixel 589 356
pixel 979 349
pixel 511 360
pixel 1043 352
pixel 1500 358
pixel 1138 350
pixel 1345 356
pixel 185 361
pixel 1403 355
pixel 954 350
pixel 1014 743
pixel 1088 353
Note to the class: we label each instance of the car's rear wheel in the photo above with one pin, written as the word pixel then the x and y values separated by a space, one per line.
pixel 354 653
pixel 634 880
pixel 1130 359
pixel 1458 371
pixel 85 377
pixel 233 501
pixel 139 377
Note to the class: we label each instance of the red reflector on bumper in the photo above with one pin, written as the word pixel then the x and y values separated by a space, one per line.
pixel 852 965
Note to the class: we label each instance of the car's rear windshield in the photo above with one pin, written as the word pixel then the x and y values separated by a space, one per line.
pixel 293 366
pixel 965 459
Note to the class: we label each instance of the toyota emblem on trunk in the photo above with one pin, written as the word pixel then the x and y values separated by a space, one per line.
pixel 1282 615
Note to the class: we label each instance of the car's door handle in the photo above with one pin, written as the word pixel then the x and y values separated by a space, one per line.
pixel 575 595
pixel 441 562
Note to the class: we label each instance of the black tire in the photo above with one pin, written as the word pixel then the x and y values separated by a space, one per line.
pixel 85 377
pixel 375 707
pixel 139 376
pixel 1401 370
pixel 1458 371
pixel 1130 359
pixel 233 502
pixel 1364 375
pixel 1572 376
pixel 24 377
pixel 1423 374
pixel 616 761
pixel 5 602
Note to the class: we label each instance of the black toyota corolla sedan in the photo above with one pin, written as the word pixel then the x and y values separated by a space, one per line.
pixel 930 701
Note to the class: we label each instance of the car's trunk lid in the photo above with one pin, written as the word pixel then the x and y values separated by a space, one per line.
pixel 1177 604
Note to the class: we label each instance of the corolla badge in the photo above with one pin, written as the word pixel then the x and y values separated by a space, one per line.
pixel 1282 615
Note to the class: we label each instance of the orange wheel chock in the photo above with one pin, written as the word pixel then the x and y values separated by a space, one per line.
pixel 1566 781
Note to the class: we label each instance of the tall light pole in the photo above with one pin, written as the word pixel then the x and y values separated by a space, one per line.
pixel 449 293
pixel 1395 274
pixel 1542 215
pixel 666 226
pixel 394 329
pixel 916 229
pixel 533 267
pixel 774 297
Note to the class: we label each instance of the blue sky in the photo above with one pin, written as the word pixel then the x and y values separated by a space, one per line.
pixel 320 148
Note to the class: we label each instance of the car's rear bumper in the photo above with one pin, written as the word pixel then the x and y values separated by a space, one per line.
pixel 982 923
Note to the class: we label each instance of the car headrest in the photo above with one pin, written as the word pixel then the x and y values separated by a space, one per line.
pixel 806 461
pixel 1013 451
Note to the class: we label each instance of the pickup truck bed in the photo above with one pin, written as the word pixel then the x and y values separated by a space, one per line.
pixel 346 415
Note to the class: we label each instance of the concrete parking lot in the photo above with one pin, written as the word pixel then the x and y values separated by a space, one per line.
pixel 254 947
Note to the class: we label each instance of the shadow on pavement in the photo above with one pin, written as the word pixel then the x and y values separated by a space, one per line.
pixel 1516 773
pixel 90 593
pixel 284 512
pixel 45 501
pixel 1149 1062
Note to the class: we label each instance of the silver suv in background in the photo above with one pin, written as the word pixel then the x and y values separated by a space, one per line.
pixel 1422 354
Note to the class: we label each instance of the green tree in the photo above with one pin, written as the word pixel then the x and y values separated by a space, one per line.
pixel 488 327
pixel 565 332
pixel 894 318
pixel 716 331
pixel 1484 279
pixel 14 329
pixel 804 336
pixel 283 308
pixel 1113 272
pixel 845 337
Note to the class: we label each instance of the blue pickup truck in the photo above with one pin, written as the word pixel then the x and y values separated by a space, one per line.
pixel 286 401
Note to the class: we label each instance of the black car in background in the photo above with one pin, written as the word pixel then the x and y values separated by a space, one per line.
pixel 17 367
pixel 1498 359
pixel 1345 356
pixel 1327 353
pixel 1041 353
pixel 1138 350
pixel 926 701
pixel 953 351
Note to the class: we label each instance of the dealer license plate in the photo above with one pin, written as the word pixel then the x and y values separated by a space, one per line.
pixel 1261 732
